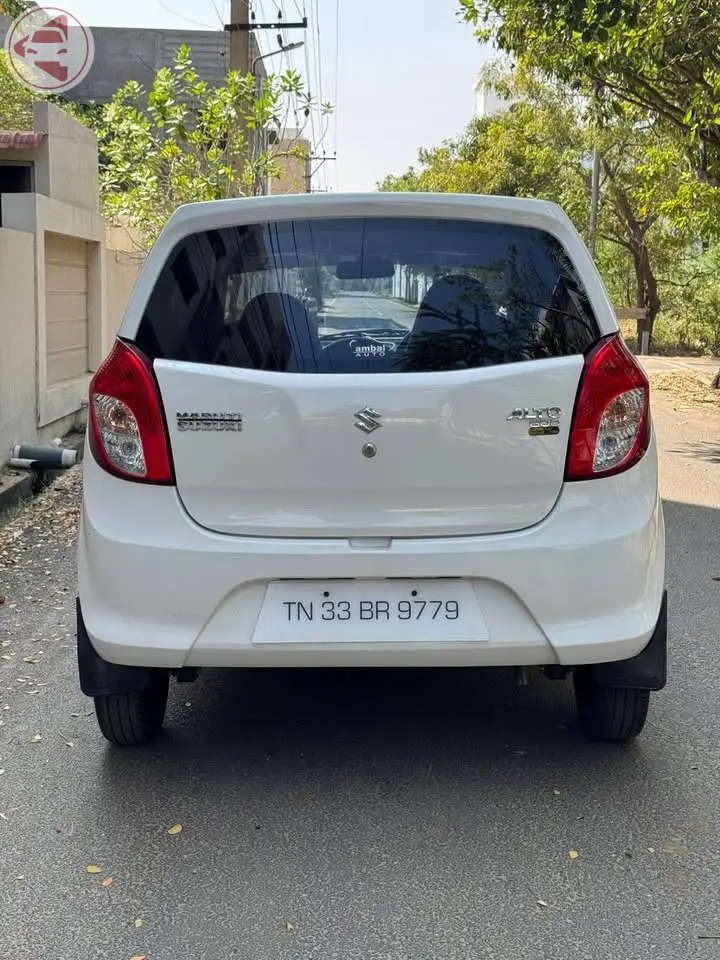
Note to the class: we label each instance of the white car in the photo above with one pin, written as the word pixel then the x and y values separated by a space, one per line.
pixel 455 466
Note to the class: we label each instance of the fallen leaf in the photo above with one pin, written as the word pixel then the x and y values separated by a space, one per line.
pixel 107 882
pixel 37 738
pixel 30 660
pixel 176 829
pixel 289 926
pixel 556 792
pixel 138 923
pixel 137 958
pixel 573 854
pixel 541 903
pixel 93 869
pixel 650 849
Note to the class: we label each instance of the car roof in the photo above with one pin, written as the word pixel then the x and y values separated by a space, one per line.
pixel 239 210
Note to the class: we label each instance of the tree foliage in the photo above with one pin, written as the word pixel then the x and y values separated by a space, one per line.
pixel 186 141
pixel 661 56
pixel 651 208
pixel 14 8
pixel 15 100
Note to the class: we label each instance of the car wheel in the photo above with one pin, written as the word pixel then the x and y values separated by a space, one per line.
pixel 609 713
pixel 130 719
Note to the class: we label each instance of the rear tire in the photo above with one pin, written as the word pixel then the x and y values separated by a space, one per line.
pixel 615 714
pixel 131 719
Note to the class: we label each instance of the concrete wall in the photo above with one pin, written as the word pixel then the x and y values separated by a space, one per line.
pixel 64 204
pixel 68 172
pixel 17 339
pixel 122 268
pixel 18 349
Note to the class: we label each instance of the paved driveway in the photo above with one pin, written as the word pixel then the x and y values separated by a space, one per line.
pixel 373 815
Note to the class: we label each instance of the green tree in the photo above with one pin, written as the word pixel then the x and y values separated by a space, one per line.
pixel 15 100
pixel 661 56
pixel 541 147
pixel 186 141
pixel 13 8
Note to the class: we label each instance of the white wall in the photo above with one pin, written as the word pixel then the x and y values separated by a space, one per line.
pixel 17 339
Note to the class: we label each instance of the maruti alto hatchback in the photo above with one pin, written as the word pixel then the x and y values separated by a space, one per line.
pixel 448 461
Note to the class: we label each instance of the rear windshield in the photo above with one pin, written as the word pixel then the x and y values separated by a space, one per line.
pixel 370 295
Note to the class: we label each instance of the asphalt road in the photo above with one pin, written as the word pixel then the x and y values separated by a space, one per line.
pixel 345 309
pixel 374 815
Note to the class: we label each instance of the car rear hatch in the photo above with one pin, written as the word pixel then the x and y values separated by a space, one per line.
pixel 429 390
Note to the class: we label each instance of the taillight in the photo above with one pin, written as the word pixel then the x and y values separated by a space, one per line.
pixel 611 424
pixel 127 431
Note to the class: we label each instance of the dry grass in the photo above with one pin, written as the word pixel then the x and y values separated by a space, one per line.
pixel 686 390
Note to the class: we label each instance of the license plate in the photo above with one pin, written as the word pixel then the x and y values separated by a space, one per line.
pixel 362 611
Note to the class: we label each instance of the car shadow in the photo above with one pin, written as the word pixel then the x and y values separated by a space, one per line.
pixel 241 733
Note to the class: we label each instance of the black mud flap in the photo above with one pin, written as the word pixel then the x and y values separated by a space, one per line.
pixel 100 678
pixel 646 671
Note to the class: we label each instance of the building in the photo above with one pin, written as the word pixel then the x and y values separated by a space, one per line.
pixel 123 54
pixel 487 102
pixel 64 279
pixel 293 154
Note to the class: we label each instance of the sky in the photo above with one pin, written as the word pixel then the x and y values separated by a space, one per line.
pixel 405 72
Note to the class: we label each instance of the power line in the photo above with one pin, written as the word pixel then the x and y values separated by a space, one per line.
pixel 180 16
pixel 337 86
pixel 310 84
pixel 219 14
pixel 315 78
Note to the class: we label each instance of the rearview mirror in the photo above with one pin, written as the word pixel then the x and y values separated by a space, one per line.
pixel 365 268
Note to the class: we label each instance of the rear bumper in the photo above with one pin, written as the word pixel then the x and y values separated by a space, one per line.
pixel 584 586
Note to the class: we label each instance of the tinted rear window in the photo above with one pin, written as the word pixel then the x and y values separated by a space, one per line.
pixel 367 295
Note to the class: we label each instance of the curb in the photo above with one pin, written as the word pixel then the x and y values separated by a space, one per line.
pixel 14 488
pixel 17 486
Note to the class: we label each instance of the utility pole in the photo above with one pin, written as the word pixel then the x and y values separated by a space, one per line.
pixel 594 201
pixel 239 28
pixel 311 173
pixel 242 23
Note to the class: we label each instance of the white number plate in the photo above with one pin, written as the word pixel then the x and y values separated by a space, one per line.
pixel 362 611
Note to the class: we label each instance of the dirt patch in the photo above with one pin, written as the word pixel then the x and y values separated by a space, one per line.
pixel 685 390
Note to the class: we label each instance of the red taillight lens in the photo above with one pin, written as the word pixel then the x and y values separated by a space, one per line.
pixel 127 431
pixel 611 424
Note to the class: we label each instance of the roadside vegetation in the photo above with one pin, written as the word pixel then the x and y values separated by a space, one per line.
pixel 637 84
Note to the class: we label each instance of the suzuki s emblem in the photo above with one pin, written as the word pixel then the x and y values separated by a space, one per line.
pixel 368 420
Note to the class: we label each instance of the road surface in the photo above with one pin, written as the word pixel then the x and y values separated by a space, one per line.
pixel 364 816
pixel 345 310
